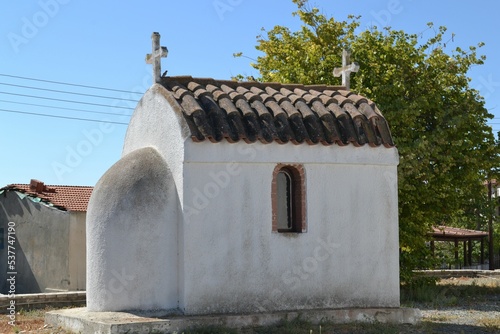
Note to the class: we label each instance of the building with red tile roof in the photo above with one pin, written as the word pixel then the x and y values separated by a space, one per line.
pixel 46 226
pixel 68 198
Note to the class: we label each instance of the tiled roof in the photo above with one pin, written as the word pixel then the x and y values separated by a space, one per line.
pixel 267 112
pixel 69 198
pixel 447 232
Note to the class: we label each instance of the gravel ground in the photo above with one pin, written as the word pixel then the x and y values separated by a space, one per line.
pixel 450 312
pixel 480 314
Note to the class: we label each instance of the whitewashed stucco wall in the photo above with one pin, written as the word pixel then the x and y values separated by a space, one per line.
pixel 157 124
pixel 233 262
pixel 132 236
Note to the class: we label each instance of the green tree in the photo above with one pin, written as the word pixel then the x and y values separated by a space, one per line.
pixel 438 121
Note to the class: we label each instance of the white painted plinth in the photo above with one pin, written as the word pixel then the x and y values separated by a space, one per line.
pixel 79 320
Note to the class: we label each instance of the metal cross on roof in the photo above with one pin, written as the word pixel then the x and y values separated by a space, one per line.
pixel 155 57
pixel 346 69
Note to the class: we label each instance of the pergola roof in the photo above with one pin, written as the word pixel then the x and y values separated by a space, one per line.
pixel 446 233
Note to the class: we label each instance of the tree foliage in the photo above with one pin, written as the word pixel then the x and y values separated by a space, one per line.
pixel 438 121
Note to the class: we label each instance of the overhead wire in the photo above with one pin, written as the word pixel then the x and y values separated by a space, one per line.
pixel 63 117
pixel 76 102
pixel 68 101
pixel 64 92
pixel 70 84
pixel 60 107
pixel 65 108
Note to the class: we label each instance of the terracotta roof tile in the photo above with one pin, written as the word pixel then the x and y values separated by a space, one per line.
pixel 69 198
pixel 217 110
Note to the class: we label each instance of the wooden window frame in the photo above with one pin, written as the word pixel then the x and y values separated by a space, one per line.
pixel 298 193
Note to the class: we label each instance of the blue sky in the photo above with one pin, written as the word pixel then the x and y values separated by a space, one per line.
pixel 104 43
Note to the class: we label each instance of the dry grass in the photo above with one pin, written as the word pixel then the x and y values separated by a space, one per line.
pixel 28 321
pixel 298 326
pixel 441 318
pixel 447 292
pixel 492 324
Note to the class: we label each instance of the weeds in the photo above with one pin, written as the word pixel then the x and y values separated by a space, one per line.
pixel 211 330
pixel 446 293
pixel 294 326
pixel 490 324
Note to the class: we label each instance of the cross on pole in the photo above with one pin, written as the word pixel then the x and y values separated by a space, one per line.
pixel 346 69
pixel 155 57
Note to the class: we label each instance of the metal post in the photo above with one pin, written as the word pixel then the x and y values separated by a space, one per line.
pixel 465 253
pixel 469 255
pixel 482 250
pixel 490 233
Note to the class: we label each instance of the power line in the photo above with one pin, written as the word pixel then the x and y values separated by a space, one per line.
pixel 63 117
pixel 62 100
pixel 68 84
pixel 63 108
pixel 64 92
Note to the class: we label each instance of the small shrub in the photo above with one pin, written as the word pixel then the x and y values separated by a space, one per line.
pixel 420 290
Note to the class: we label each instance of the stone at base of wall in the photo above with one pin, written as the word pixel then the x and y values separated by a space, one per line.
pixel 40 300
pixel 79 320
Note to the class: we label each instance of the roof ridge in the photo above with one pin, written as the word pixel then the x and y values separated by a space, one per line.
pixel 260 84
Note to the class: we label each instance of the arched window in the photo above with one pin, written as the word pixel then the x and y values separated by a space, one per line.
pixel 288 199
pixel 284 199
